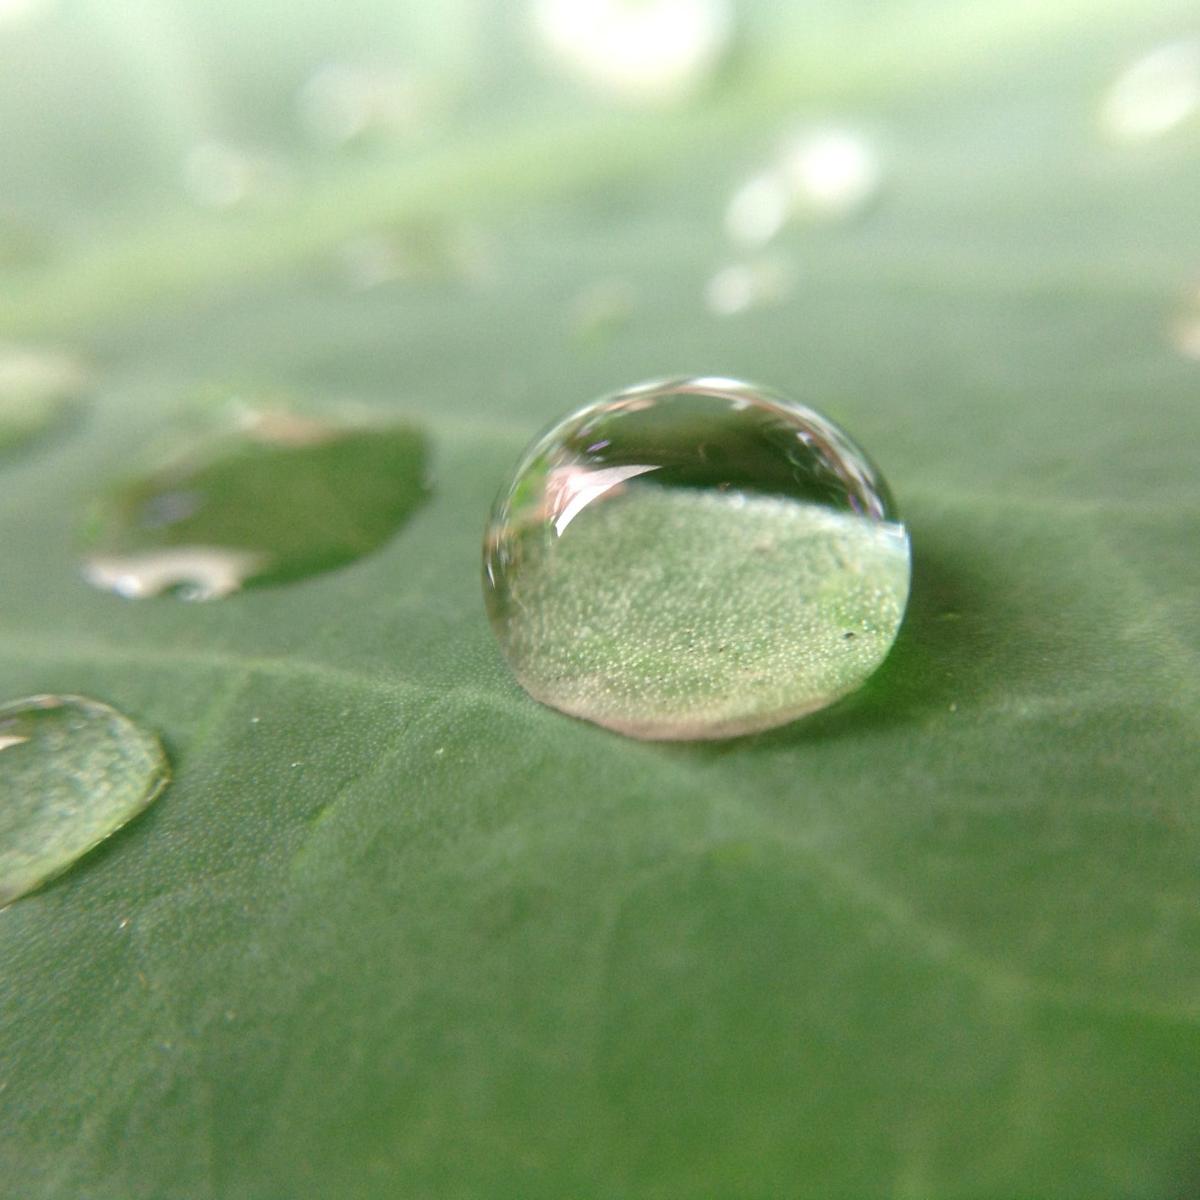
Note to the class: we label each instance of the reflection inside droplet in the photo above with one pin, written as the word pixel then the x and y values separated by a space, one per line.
pixel 1155 94
pixel 72 772
pixel 651 51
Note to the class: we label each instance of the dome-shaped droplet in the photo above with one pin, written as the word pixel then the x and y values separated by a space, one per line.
pixel 72 772
pixel 694 559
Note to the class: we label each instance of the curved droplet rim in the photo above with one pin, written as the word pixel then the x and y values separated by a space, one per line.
pixel 158 763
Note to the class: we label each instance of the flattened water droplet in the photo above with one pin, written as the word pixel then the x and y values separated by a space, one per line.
pixel 686 559
pixel 36 388
pixel 644 51
pixel 72 772
pixel 284 497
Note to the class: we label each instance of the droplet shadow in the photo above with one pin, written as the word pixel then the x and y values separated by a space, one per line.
pixel 932 665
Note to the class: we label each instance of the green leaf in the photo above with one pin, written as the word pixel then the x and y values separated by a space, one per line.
pixel 397 930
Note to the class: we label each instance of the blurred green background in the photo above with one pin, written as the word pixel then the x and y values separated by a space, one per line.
pixel 397 931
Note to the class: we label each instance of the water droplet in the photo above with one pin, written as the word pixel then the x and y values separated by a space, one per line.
pixel 282 497
pixel 822 173
pixel 645 51
pixel 219 175
pixel 759 209
pixel 72 772
pixel 415 252
pixel 1154 94
pixel 602 310
pixel 22 246
pixel 832 172
pixel 685 559
pixel 1185 329
pixel 759 283
pixel 14 12
pixel 36 388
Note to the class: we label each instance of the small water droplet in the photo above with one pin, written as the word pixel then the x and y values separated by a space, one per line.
pixel 415 252
pixel 602 310
pixel 15 12
pixel 1185 329
pixel 345 102
pixel 832 172
pixel 1153 95
pixel 760 283
pixel 282 497
pixel 72 772
pixel 37 386
pixel 22 246
pixel 219 175
pixel 645 52
pixel 820 173
pixel 759 209
pixel 623 582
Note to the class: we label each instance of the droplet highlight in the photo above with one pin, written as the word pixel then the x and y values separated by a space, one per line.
pixel 695 558
pixel 72 772
pixel 283 497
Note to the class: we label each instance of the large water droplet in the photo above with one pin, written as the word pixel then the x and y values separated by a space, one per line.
pixel 36 387
pixel 285 497
pixel 694 559
pixel 72 771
